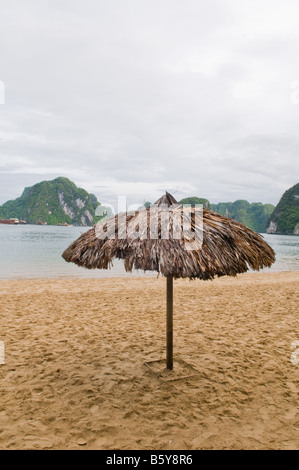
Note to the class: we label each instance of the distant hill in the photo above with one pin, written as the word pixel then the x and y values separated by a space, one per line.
pixel 285 217
pixel 253 215
pixel 53 202
pixel 196 200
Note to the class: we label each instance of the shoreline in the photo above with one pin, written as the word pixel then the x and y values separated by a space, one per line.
pixel 147 275
pixel 74 364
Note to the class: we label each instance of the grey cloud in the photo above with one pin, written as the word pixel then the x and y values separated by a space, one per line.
pixel 131 97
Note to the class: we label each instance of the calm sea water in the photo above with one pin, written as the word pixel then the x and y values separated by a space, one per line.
pixel 30 251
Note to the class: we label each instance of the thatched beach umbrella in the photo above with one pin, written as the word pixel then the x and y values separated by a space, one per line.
pixel 175 241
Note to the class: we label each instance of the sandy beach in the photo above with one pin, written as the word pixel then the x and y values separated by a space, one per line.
pixel 74 374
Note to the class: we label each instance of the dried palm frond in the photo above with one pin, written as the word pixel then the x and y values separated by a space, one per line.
pixel 156 239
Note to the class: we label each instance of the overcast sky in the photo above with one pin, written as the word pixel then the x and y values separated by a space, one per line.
pixel 135 97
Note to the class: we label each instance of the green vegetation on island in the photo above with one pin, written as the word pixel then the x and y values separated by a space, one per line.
pixel 254 216
pixel 285 217
pixel 53 202
pixel 196 200
pixel 60 201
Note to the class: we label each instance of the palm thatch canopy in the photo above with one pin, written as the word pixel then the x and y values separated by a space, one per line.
pixel 175 241
pixel 154 239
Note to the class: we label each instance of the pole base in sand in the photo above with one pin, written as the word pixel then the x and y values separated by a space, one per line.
pixel 181 370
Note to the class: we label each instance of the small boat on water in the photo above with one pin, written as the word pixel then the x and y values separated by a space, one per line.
pixel 9 221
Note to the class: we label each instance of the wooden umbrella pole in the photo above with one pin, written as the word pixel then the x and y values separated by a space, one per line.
pixel 169 324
